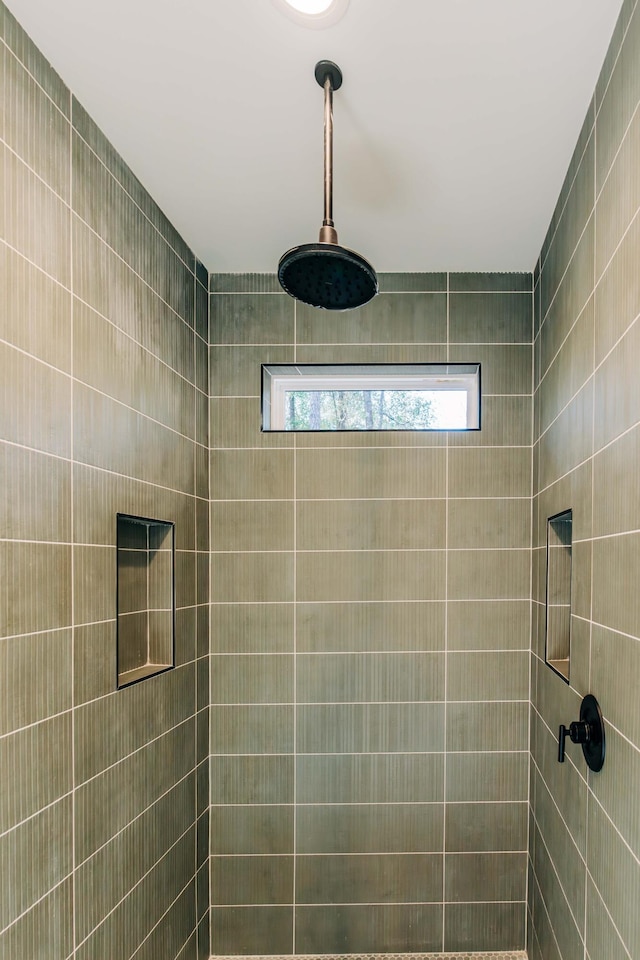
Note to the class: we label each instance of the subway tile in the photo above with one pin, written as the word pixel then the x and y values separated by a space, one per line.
pixel 407 282
pixel 617 295
pixel 484 877
pixel 251 577
pixel 487 726
pixel 243 830
pixel 252 525
pixel 489 574
pixel 371 778
pixel 616 603
pixel 236 370
pixel 568 441
pixel 35 404
pixel 174 929
pixel 254 780
pixel 601 937
pixel 390 317
pixel 251 320
pixel 478 625
pixel 370 626
pixel 35 497
pixel 46 931
pixel 490 317
pixel 356 928
pixel 369 828
pixel 374 878
pixel 489 523
pixel 570 369
pixel 370 473
pixel 487 676
pixel 251 880
pixel 348 678
pixel 28 695
pixel 617 395
pixel 263 729
pixel 485 777
pixel 616 874
pixel 366 575
pixel 35 311
pixel 235 423
pixel 619 198
pixel 490 472
pixel 614 673
pixel 251 930
pixel 23 608
pixel 370 728
pixel 252 628
pixel 370 525
pixel 484 926
pixel 474 827
pixel 251 475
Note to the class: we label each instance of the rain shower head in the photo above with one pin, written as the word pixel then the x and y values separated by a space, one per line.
pixel 324 274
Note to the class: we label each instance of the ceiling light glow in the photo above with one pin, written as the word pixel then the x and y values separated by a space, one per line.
pixel 313 13
pixel 310 6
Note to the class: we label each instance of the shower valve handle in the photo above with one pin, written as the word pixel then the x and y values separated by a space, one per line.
pixel 587 731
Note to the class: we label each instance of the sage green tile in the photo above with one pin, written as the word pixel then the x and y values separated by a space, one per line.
pixel 489 574
pixel 485 877
pixel 35 129
pixel 619 99
pixel 568 441
pixel 252 678
pixel 613 470
pixel 251 880
pixel 331 678
pixel 616 603
pixel 38 66
pixel 30 694
pixel 490 472
pixel 406 282
pixel 365 575
pixel 490 282
pixel 505 421
pixel 614 671
pixel 240 729
pixel 235 423
pixel 252 628
pixel 252 525
pixel 370 473
pixel 570 368
pixel 616 874
pixel 244 283
pixel 601 937
pixel 487 676
pixel 35 311
pixel 178 938
pixel 36 220
pixel 337 353
pixel 505 369
pixel 370 728
pixel 94 584
pixel 619 197
pixel 486 625
pixel 562 851
pixel 37 761
pixel 46 839
pixel 253 577
pixel 370 778
pixel 616 390
pixel 390 317
pixel 251 319
pixel 487 726
pixel 343 627
pixel 489 523
pixel 369 828
pixel 35 403
pixel 354 928
pixel 484 926
pixel 490 317
pixel 46 931
pixel 617 295
pixel 253 780
pixel 249 930
pixel 242 830
pixel 485 777
pixel 236 371
pixel 473 827
pixel 251 474
pixel 370 524
pixel 374 878
pixel 25 610
pixel 565 782
pixel 35 497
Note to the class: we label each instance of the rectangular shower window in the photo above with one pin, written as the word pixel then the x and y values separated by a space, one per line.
pixel 345 397
pixel 558 606
pixel 144 598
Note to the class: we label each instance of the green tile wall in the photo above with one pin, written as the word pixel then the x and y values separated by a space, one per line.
pixel 370 625
pixel 584 856
pixel 104 795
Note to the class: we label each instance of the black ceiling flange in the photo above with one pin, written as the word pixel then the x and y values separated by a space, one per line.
pixel 326 68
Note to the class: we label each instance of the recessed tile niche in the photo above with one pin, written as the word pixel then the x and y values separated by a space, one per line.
pixel 145 597
pixel 558 627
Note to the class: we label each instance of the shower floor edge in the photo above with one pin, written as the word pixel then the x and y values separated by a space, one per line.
pixel 468 955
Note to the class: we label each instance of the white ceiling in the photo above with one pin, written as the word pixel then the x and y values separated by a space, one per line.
pixel 453 128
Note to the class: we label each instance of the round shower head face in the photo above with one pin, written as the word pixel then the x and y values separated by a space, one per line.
pixel 327 275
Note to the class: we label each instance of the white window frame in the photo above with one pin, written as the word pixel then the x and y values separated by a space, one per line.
pixel 279 379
